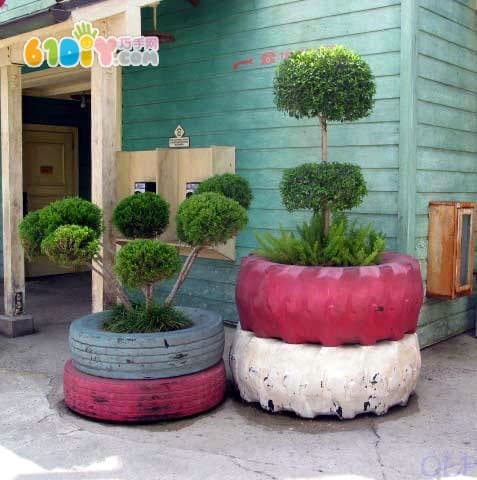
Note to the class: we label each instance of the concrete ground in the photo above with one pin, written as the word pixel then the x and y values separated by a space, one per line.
pixel 434 437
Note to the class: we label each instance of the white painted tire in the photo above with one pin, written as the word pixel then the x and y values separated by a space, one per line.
pixel 312 380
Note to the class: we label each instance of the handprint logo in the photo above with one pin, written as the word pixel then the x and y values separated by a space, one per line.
pixel 85 35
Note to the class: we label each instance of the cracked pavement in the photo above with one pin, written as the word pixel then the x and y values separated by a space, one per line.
pixel 433 437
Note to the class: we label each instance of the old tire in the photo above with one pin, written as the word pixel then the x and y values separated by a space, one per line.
pixel 147 356
pixel 143 400
pixel 330 305
pixel 313 380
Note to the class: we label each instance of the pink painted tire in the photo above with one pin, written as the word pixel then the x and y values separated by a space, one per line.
pixel 331 306
pixel 134 401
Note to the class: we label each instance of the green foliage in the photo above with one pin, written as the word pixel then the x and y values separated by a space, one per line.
pixel 70 211
pixel 208 219
pixel 144 215
pixel 332 81
pixel 71 246
pixel 31 235
pixel 142 319
pixel 38 225
pixel 346 245
pixel 339 186
pixel 142 262
pixel 231 186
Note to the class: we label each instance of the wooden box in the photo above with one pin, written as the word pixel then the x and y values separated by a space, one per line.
pixel 172 170
pixel 450 262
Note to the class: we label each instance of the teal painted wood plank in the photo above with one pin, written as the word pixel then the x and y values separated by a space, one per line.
pixel 137 108
pixel 292 12
pixel 304 34
pixel 446 138
pixel 423 199
pixel 443 182
pixel 371 156
pixel 439 26
pixel 292 137
pixel 442 116
pixel 448 52
pixel 437 309
pixel 20 8
pixel 452 10
pixel 446 73
pixel 447 95
pixel 213 11
pixel 449 161
pixel 253 119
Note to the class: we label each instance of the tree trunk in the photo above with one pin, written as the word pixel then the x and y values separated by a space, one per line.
pixel 183 274
pixel 149 294
pixel 324 158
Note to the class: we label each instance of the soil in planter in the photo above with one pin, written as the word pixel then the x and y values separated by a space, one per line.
pixel 156 318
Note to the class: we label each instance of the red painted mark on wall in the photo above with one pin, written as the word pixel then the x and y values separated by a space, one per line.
pixel 238 64
pixel 267 58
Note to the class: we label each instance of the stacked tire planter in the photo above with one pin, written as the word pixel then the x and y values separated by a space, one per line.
pixel 328 340
pixel 145 377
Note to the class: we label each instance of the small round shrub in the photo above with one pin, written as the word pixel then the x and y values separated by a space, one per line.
pixel 71 245
pixel 143 262
pixel 340 186
pixel 70 211
pixel 31 235
pixel 209 219
pixel 143 215
pixel 332 81
pixel 231 186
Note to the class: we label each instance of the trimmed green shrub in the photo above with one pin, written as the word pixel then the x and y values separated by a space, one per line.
pixel 71 245
pixel 142 319
pixel 31 235
pixel 311 186
pixel 345 245
pixel 333 82
pixel 231 186
pixel 143 215
pixel 70 211
pixel 208 219
pixel 142 262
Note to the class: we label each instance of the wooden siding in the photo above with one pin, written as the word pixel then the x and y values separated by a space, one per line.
pixel 197 86
pixel 20 8
pixel 446 136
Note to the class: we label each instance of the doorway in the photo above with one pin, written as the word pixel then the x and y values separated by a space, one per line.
pixel 50 173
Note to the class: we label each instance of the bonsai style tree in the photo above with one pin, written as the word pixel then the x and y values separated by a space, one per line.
pixel 68 232
pixel 331 84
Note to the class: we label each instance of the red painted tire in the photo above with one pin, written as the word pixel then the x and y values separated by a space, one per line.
pixel 135 401
pixel 330 305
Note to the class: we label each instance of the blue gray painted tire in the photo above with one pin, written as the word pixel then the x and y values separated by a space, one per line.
pixel 143 356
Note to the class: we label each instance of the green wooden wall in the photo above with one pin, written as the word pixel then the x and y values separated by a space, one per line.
pixel 446 166
pixel 197 86
pixel 20 8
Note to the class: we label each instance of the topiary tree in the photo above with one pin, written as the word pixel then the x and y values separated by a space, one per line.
pixel 331 84
pixel 144 215
pixel 231 186
pixel 205 220
pixel 143 263
pixel 340 186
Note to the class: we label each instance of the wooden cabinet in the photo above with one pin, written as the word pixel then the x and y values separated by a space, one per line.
pixel 174 170
pixel 450 262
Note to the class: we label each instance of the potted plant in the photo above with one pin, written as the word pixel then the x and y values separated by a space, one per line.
pixel 167 359
pixel 331 283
